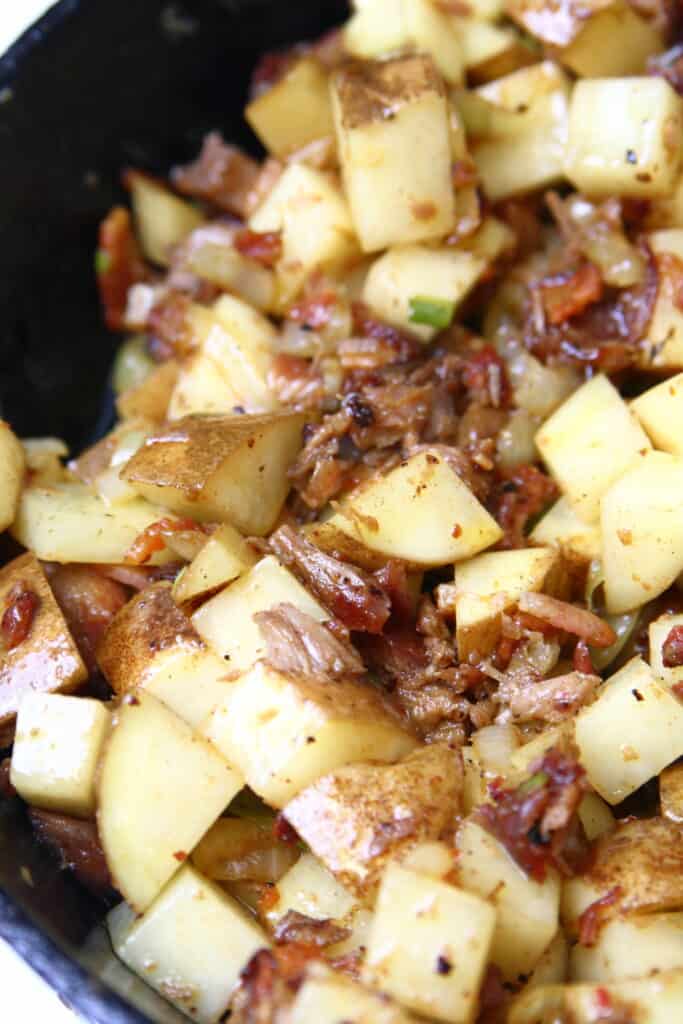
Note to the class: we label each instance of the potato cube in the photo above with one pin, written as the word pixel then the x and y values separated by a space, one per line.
pixel 149 399
pixel 632 731
pixel 631 947
pixel 642 532
pixel 527 912
pixel 47 660
pixel 162 220
pixel 551 969
pixel 230 468
pixel 490 584
pixel 660 411
pixel 395 149
pixel 638 152
pixel 560 526
pixel 589 442
pixel 12 463
pixel 381 27
pixel 599 39
pixel 523 757
pixel 360 816
pixel 225 556
pixel 671 793
pixel 284 732
pixel 190 945
pixel 658 632
pixel 421 512
pixel 595 816
pixel 429 945
pixel 412 272
pixel 491 51
pixel 226 621
pixel 67 522
pixel 310 889
pixel 161 787
pixel 655 1000
pixel 311 211
pixel 294 111
pixel 152 645
pixel 663 346
pixel 523 146
pixel 327 997
pixel 56 750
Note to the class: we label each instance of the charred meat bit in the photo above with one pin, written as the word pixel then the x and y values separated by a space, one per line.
pixel 78 845
pixel 89 601
pixel 153 538
pixel 672 648
pixel 263 247
pixel 222 174
pixel 119 265
pixel 20 611
pixel 591 921
pixel 519 497
pixel 566 295
pixel 296 927
pixel 262 992
pixel 485 377
pixel 353 596
pixel 296 644
pixel 534 821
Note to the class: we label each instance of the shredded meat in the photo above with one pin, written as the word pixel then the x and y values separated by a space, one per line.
pixel 353 596
pixel 592 919
pixel 672 648
pixel 485 377
pixel 568 294
pixel 548 700
pixel 296 927
pixel 222 174
pixel 89 602
pixel 520 496
pixel 298 645
pixel 21 607
pixel 119 266
pixel 263 247
pixel 263 995
pixel 534 821
pixel 153 538
pixel 568 617
pixel 78 845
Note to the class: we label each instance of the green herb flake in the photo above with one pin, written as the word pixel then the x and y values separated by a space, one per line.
pixel 432 312
pixel 533 783
pixel 102 261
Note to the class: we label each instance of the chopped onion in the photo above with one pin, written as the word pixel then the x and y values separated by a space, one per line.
pixel 537 388
pixel 624 626
pixel 245 850
pixel 494 745
pixel 515 443
pixel 132 365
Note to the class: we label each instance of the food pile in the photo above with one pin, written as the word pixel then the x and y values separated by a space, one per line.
pixel 346 670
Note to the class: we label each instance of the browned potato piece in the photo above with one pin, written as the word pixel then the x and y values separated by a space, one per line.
pixel 362 815
pixel 221 468
pixel 640 863
pixel 12 463
pixel 149 400
pixel 47 659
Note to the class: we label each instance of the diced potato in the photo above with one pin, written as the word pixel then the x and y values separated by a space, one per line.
pixel 597 39
pixel 56 749
pixel 230 468
pixel 562 527
pixel 429 945
pixel 43 456
pixel 638 152
pixel 161 786
pixel 230 367
pixel 412 272
pixel 641 859
pixel 522 147
pixel 382 27
pixel 522 758
pixel 527 912
pixel 362 815
pixel 630 733
pixel 47 660
pixel 658 631
pixel 226 621
pixel 12 463
pixel 152 645
pixel 225 556
pixel 421 512
pixel 434 858
pixel 656 1000
pixel 162 220
pixel 631 947
pixel 642 532
pixel 69 523
pixel 494 746
pixel 492 583
pixel 551 969
pixel 475 783
pixel 660 411
pixel 595 816
pixel 310 889
pixel 294 111
pixel 190 945
pixel 589 442
pixel 149 400
pixel 328 998
pixel 491 51
pixel 284 732
pixel 671 793
pixel 664 337
pixel 397 170
pixel 492 239
pixel 311 211
pixel 230 270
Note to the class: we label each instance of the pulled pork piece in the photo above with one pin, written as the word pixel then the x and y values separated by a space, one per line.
pixel 264 994
pixel 536 822
pixel 672 648
pixel 353 596
pixel 222 174
pixel 78 845
pixel 567 617
pixel 119 265
pixel 296 927
pixel 298 645
pixel 547 700
pixel 520 496
pixel 89 601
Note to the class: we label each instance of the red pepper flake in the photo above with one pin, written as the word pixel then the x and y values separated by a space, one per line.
pixel 153 539
pixel 263 246
pixel 672 648
pixel 268 899
pixel 463 174
pixel 456 531
pixel 582 659
pixel 180 855
pixel 603 1001
pixel 22 605
pixel 567 295
pixel 118 264
pixel 592 919
pixel 283 831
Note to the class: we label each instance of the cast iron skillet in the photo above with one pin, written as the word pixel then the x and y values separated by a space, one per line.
pixel 94 86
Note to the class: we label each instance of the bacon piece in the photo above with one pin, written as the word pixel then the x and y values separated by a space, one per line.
pixel 393 579
pixel 119 265
pixel 297 644
pixel 263 246
pixel 353 596
pixel 78 845
pixel 169 327
pixel 522 495
pixel 567 617
pixel 590 921
pixel 17 619
pixel 296 927
pixel 672 648
pixel 89 602
pixel 582 660
pixel 566 295
pixel 222 174
pixel 153 538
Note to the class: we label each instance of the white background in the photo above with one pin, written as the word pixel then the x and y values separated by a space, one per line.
pixel 25 997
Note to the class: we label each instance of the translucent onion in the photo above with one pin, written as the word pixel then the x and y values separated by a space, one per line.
pixel 230 270
pixel 493 746
pixel 515 443
pixel 244 850
pixel 537 654
pixel 132 364
pixel 624 626
pixel 537 388
pixel 296 340
pixel 621 264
